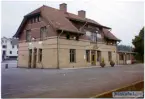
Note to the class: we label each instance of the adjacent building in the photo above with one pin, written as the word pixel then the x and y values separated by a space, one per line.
pixel 9 48
pixel 55 38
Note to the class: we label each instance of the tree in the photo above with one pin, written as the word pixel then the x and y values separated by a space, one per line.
pixel 138 43
pixel 124 48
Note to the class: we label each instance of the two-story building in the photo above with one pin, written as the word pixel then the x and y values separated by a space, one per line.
pixel 9 48
pixel 55 38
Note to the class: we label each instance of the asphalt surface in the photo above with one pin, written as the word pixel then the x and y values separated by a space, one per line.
pixel 72 83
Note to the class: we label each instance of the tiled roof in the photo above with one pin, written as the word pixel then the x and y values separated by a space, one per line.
pixel 60 20
pixel 109 35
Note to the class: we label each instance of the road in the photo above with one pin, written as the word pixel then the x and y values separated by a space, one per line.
pixel 72 83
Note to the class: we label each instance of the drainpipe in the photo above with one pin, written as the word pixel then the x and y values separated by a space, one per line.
pixel 117 59
pixel 58 49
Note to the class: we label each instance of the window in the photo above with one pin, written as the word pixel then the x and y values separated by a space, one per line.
pixel 17 52
pixel 99 37
pixel 109 56
pixel 40 55
pixel 121 56
pixel 2 41
pixel 67 36
pixel 43 33
pixel 72 55
pixel 94 37
pixel 37 19
pixel 4 46
pixel 10 52
pixel 13 46
pixel 128 57
pixel 98 56
pixel 28 36
pixel 88 55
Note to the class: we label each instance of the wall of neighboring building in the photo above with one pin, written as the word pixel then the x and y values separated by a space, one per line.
pixel 11 50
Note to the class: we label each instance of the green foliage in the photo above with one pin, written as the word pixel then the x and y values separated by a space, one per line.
pixel 138 42
pixel 102 61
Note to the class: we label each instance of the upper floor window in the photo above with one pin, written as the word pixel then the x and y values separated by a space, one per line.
pixel 43 32
pixel 13 46
pixel 28 35
pixel 94 37
pixel 4 46
pixel 35 19
pixel 10 52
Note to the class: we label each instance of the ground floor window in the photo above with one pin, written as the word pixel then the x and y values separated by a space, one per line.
pixel 88 55
pixel 109 56
pixel 72 55
pixel 121 57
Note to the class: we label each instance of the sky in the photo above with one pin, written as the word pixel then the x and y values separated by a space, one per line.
pixel 126 18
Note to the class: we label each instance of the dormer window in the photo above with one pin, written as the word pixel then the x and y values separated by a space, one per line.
pixel 94 37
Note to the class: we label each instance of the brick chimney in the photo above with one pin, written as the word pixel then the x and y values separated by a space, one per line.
pixel 63 7
pixel 82 13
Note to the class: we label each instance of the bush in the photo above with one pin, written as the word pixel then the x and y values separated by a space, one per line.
pixel 112 63
pixel 102 63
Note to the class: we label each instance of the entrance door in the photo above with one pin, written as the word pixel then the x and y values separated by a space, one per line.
pixel 93 57
pixel 3 55
pixel 34 58
pixel 30 58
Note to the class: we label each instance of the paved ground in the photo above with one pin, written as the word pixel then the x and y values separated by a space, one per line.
pixel 80 83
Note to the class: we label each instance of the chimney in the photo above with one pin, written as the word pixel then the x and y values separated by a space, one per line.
pixel 63 7
pixel 82 13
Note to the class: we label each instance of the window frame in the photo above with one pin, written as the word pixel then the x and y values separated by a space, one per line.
pixel 88 56
pixel 4 46
pixel 72 53
pixel 43 33
pixel 10 52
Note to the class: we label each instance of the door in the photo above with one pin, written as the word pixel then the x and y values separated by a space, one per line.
pixel 30 58
pixel 3 55
pixel 93 57
pixel 34 58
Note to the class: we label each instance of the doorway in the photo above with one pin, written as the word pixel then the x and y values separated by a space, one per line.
pixel 34 57
pixel 93 57
pixel 3 55
pixel 30 58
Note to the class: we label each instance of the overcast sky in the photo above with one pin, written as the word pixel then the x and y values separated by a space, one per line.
pixel 125 18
